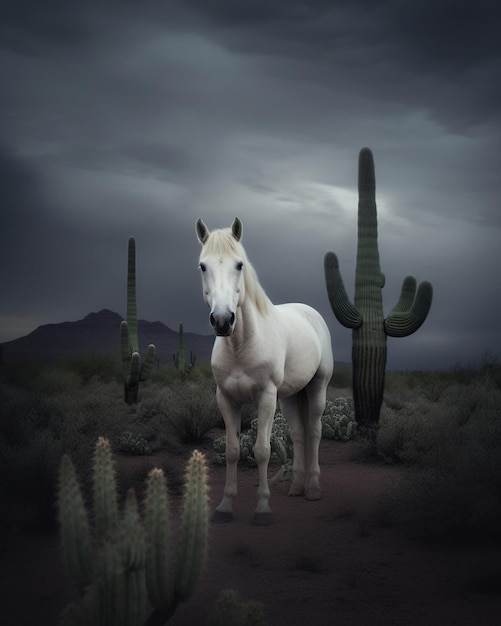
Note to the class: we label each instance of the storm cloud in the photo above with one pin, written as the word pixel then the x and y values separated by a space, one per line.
pixel 126 118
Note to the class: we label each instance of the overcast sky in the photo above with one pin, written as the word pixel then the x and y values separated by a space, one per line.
pixel 135 118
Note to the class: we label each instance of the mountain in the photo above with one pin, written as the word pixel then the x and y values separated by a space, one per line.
pixel 99 333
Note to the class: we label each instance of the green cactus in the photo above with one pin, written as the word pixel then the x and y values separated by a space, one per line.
pixel 282 448
pixel 365 316
pixel 134 372
pixel 181 361
pixel 179 357
pixel 338 420
pixel 125 567
pixel 133 444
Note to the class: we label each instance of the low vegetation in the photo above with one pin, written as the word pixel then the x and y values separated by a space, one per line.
pixel 449 440
pixel 442 428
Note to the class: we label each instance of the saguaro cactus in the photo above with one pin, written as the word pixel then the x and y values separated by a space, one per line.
pixel 127 568
pixel 179 357
pixel 134 371
pixel 365 316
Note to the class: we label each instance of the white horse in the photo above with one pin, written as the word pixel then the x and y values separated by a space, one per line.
pixel 263 351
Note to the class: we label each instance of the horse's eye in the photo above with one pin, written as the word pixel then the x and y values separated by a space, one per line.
pixel 240 266
pixel 203 267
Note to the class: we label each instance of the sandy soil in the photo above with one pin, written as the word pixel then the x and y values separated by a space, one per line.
pixel 325 562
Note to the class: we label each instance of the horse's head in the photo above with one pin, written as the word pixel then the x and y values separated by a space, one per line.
pixel 222 267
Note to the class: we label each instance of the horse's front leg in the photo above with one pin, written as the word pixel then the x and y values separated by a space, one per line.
pixel 267 405
pixel 231 416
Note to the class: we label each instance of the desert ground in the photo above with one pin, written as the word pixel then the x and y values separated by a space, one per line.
pixel 324 562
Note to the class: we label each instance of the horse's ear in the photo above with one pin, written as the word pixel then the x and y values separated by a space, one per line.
pixel 202 231
pixel 236 229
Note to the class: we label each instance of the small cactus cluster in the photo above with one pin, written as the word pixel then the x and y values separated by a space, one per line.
pixel 133 444
pixel 125 565
pixel 338 420
pixel 280 441
pixel 134 372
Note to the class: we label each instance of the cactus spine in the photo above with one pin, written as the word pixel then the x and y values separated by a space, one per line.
pixel 126 569
pixel 365 316
pixel 133 371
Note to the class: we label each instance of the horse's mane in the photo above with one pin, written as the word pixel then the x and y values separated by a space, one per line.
pixel 222 241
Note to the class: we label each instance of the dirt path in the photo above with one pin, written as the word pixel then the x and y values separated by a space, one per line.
pixel 324 562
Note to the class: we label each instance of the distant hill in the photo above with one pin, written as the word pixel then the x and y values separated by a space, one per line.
pixel 99 333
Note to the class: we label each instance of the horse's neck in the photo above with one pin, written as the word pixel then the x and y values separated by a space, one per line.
pixel 250 324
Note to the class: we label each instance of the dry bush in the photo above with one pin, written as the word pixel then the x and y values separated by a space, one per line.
pixel 454 449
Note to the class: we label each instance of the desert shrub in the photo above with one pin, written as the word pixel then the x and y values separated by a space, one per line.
pixel 170 375
pixel 28 486
pixel 55 380
pixel 20 375
pixel 190 410
pixel 21 412
pixel 104 367
pixel 37 428
pixel 454 446
pixel 414 432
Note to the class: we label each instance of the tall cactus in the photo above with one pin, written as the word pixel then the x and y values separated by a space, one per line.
pixel 365 316
pixel 126 568
pixel 133 371
pixel 179 357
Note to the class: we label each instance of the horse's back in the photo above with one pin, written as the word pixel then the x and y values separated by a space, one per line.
pixel 297 314
pixel 308 333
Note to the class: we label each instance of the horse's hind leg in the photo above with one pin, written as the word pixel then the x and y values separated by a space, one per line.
pixel 292 412
pixel 231 416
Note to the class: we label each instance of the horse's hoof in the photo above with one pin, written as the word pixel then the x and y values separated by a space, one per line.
pixel 221 517
pixel 296 490
pixel 313 494
pixel 262 519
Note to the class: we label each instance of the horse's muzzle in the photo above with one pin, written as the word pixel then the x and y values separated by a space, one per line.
pixel 222 324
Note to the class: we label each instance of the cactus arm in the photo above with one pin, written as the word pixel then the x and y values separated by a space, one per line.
pixel 133 554
pixel 149 362
pixel 403 322
pixel 407 295
pixel 105 497
pixel 75 528
pixel 343 309
pixel 192 553
pixel 159 578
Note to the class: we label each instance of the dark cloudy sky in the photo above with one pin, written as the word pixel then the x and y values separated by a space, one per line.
pixel 127 118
